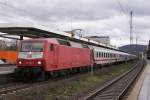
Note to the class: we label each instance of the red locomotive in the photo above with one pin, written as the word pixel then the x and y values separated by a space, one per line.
pixel 39 58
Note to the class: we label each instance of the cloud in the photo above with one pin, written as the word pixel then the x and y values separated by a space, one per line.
pixel 96 17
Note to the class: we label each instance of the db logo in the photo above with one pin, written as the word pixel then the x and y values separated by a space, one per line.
pixel 29 55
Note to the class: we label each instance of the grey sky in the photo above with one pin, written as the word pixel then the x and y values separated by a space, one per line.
pixel 96 17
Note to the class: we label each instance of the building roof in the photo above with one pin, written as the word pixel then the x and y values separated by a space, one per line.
pixel 97 37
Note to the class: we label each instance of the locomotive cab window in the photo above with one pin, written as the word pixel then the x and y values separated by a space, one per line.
pixel 32 46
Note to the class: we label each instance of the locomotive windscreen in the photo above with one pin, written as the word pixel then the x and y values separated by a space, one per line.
pixel 32 46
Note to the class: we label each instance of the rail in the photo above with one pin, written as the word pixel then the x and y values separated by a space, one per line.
pixel 117 88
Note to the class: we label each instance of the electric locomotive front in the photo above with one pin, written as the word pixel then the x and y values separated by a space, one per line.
pixel 30 61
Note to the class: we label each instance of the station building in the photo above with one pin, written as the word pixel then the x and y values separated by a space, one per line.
pixel 100 39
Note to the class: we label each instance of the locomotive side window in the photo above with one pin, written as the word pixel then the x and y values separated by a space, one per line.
pixel 51 47
pixel 62 42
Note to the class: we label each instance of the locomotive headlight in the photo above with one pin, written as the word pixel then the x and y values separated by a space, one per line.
pixel 20 62
pixel 39 62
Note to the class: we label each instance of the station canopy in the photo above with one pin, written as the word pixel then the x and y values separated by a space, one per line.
pixel 38 31
pixel 30 30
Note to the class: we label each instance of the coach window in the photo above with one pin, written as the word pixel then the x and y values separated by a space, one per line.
pixel 97 54
pixel 100 54
pixel 94 54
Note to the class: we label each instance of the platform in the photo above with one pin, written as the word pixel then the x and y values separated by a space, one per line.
pixel 9 69
pixel 145 89
pixel 141 90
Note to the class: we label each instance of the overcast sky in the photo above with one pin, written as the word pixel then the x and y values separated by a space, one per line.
pixel 95 17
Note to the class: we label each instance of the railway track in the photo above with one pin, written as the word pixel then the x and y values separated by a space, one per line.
pixel 16 86
pixel 6 78
pixel 9 88
pixel 12 87
pixel 117 88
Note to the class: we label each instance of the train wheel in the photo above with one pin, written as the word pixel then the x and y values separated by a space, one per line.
pixel 47 76
pixel 41 76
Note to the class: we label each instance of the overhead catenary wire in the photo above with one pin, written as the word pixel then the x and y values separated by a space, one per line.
pixel 10 16
pixel 22 10
pixel 122 8
pixel 18 9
